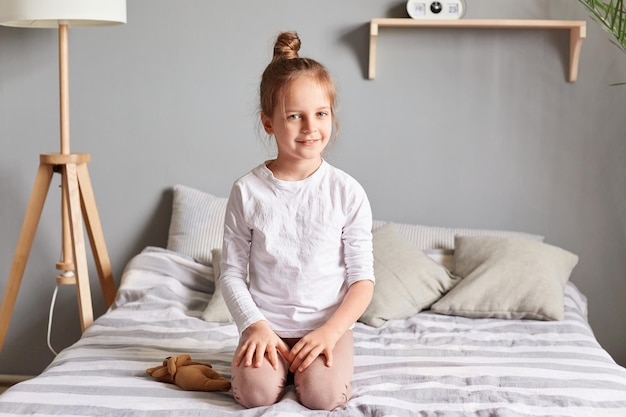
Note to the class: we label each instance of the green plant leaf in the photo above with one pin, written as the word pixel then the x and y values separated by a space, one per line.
pixel 611 16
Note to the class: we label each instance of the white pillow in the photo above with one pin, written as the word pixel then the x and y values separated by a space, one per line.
pixel 197 223
pixel 217 310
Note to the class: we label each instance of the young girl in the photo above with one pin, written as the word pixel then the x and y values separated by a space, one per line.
pixel 300 229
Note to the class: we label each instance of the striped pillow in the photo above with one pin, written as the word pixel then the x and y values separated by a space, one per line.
pixel 433 237
pixel 197 224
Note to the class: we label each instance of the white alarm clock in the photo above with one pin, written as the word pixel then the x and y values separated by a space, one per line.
pixel 445 9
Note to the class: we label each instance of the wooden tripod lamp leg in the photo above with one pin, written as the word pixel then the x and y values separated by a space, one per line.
pixel 96 236
pixel 24 245
pixel 72 190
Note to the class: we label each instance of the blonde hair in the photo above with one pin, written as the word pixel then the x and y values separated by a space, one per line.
pixel 285 67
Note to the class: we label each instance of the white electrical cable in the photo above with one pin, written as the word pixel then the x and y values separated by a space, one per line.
pixel 54 297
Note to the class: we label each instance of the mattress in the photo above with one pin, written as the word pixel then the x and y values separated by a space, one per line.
pixel 426 365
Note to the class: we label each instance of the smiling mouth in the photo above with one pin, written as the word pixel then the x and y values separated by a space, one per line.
pixel 308 142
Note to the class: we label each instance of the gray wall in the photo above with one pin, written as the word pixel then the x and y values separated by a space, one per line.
pixel 464 128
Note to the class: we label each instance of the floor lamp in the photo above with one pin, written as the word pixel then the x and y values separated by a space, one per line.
pixel 78 203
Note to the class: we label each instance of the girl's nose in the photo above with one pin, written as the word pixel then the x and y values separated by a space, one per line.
pixel 308 127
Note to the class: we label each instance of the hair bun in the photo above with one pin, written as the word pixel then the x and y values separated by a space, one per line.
pixel 287 46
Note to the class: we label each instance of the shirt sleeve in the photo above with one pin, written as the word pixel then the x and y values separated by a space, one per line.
pixel 234 264
pixel 357 238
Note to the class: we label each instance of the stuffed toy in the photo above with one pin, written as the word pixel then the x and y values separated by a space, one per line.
pixel 189 375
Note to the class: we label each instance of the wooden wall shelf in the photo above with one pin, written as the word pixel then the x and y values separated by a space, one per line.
pixel 577 28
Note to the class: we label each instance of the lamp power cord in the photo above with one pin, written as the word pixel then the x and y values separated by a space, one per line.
pixel 50 314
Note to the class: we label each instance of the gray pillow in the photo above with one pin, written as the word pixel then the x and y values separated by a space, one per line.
pixel 407 280
pixel 217 310
pixel 508 278
pixel 197 223
pixel 434 237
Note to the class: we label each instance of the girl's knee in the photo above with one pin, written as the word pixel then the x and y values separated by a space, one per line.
pixel 254 393
pixel 258 397
pixel 320 394
pixel 324 398
pixel 257 387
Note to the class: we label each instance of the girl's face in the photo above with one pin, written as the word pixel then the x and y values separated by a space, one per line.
pixel 303 128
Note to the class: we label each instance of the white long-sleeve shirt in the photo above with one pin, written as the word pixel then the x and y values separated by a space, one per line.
pixel 302 243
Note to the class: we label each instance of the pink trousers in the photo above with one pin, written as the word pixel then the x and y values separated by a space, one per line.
pixel 318 387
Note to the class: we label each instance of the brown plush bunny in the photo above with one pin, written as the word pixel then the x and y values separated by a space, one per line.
pixel 189 375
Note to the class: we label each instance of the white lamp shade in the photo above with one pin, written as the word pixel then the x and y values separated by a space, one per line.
pixel 51 13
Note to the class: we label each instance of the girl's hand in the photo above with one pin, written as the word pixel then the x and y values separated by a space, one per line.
pixel 257 341
pixel 320 341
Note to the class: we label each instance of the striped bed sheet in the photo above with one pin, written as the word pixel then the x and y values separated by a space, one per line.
pixel 426 365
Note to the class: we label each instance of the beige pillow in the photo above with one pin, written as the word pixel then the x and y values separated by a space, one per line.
pixel 407 280
pixel 217 310
pixel 509 278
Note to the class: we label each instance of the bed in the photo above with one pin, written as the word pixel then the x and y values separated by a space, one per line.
pixel 433 362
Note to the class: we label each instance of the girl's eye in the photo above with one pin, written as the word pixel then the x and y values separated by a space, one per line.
pixel 322 114
pixel 293 116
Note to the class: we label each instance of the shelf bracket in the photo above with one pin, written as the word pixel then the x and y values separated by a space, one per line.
pixel 576 36
pixel 373 43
